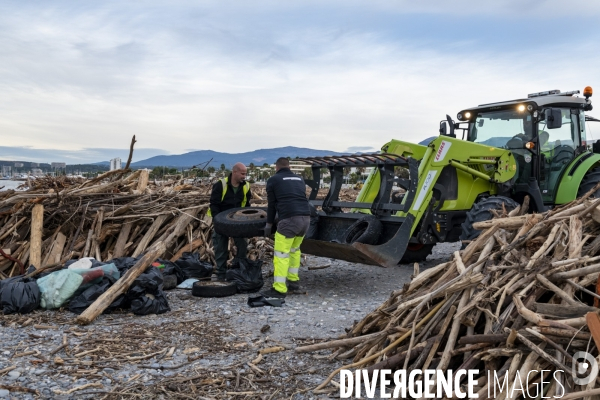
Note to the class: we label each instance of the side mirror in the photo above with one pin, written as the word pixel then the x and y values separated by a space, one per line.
pixel 443 128
pixel 553 118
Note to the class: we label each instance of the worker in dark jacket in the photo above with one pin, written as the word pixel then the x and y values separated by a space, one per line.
pixel 286 193
pixel 227 193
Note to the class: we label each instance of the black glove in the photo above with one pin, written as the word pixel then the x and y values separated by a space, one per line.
pixel 268 230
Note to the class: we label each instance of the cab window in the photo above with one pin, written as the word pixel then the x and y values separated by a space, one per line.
pixel 566 135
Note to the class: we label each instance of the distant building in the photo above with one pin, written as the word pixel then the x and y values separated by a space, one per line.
pixel 298 166
pixel 37 172
pixel 115 163
pixel 58 165
pixel 6 170
pixel 34 165
pixel 18 165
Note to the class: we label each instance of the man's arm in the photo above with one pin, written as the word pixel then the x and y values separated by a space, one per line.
pixel 215 198
pixel 271 208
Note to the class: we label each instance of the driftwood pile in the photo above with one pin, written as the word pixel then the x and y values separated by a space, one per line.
pixel 59 219
pixel 520 297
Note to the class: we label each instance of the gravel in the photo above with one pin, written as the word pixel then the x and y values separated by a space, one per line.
pixel 214 338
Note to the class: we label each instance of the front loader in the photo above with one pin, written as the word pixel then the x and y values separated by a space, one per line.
pixel 532 147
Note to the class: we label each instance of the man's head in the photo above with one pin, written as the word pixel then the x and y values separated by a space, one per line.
pixel 282 162
pixel 238 174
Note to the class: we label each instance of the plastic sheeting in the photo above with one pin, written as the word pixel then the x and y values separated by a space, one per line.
pixel 58 287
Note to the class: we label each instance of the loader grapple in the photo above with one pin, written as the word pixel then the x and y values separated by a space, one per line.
pixel 333 221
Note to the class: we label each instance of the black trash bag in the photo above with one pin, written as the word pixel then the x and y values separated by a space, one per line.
pixel 192 267
pixel 150 281
pixel 246 274
pixel 123 264
pixel 150 304
pixel 19 295
pixel 80 302
pixel 171 269
pixel 146 295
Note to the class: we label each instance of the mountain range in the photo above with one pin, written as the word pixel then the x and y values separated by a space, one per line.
pixel 201 157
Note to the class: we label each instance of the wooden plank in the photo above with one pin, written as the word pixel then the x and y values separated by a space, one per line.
pixel 37 225
pixel 188 248
pixel 593 322
pixel 143 180
pixel 56 250
pixel 149 235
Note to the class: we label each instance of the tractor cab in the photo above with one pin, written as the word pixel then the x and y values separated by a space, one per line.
pixel 545 132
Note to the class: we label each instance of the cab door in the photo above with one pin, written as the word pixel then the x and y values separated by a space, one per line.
pixel 557 148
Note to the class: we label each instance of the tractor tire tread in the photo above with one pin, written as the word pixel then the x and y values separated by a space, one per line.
pixel 481 211
pixel 591 179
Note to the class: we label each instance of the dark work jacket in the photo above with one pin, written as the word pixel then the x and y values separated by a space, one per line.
pixel 231 199
pixel 286 193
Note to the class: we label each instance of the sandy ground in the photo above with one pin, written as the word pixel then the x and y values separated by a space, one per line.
pixel 201 349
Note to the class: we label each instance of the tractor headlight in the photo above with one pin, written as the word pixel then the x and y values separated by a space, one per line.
pixel 521 108
pixel 467 115
pixel 530 108
pixel 459 116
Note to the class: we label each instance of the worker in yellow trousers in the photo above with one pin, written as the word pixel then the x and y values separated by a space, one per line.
pixel 286 194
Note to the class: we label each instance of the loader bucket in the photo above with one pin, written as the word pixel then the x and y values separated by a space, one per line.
pixel 387 254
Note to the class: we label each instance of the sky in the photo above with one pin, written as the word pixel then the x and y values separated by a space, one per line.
pixel 78 79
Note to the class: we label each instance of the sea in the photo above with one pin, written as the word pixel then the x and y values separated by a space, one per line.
pixel 9 184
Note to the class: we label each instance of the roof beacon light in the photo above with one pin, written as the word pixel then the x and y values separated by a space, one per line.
pixel 587 92
pixel 521 108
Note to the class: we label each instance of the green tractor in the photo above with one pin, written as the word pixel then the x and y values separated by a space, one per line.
pixel 532 147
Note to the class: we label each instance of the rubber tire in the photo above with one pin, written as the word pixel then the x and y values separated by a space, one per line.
pixel 417 254
pixel 591 179
pixel 366 230
pixel 241 222
pixel 481 211
pixel 217 290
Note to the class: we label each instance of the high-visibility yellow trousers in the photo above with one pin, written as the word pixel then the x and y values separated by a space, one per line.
pixel 286 260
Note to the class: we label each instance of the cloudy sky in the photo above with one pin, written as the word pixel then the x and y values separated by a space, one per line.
pixel 234 76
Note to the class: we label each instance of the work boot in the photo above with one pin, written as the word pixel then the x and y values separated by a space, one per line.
pixel 294 286
pixel 272 293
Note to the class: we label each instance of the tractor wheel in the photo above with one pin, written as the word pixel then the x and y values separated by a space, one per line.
pixel 591 179
pixel 482 211
pixel 416 252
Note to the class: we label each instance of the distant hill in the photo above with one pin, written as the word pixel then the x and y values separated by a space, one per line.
pixel 258 157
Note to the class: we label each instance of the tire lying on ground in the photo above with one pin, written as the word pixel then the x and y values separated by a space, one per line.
pixel 365 230
pixel 482 211
pixel 242 222
pixel 213 289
